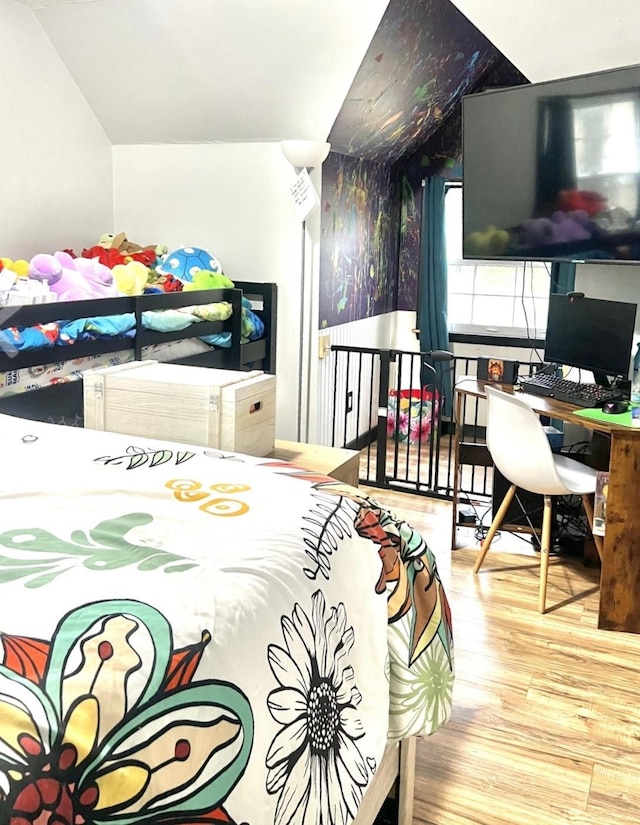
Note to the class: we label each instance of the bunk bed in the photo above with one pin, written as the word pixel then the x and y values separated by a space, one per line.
pixel 24 374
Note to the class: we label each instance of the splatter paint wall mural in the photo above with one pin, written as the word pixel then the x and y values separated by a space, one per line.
pixel 441 155
pixel 400 122
pixel 358 253
pixel 424 56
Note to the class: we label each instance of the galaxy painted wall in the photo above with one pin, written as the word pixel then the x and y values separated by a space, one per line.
pixel 424 56
pixel 400 122
pixel 359 248
pixel 441 155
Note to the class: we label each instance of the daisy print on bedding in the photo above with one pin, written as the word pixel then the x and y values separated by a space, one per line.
pixel 314 763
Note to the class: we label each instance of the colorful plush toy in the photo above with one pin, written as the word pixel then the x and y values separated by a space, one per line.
pixel 106 240
pixel 204 279
pixel 130 278
pixel 108 257
pixel 571 226
pixel 112 250
pixel 133 251
pixel 67 283
pixel 168 283
pixel 183 263
pixel 20 267
pixel 98 277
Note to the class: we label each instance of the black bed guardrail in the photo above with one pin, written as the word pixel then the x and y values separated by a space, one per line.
pixel 61 402
pixel 33 314
pixel 262 295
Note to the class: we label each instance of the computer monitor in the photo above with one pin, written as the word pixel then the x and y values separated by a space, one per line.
pixel 591 334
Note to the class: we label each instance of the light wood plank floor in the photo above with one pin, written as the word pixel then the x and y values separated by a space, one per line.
pixel 545 728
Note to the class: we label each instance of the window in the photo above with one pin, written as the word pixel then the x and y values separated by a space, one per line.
pixel 509 298
pixel 606 143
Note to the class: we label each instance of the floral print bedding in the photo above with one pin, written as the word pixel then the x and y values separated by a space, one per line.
pixel 189 635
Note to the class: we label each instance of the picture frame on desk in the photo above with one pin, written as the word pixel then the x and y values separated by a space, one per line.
pixel 498 370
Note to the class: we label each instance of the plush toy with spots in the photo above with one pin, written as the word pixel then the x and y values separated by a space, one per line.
pixel 185 262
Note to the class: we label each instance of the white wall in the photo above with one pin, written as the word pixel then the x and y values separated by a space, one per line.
pixel 56 184
pixel 233 200
pixel 378 332
pixel 546 39
pixel 614 282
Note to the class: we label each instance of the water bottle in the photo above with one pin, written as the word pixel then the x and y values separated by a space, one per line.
pixel 635 379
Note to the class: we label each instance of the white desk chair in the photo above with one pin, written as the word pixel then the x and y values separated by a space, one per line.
pixel 521 451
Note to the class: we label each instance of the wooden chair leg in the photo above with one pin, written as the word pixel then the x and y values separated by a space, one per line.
pixel 545 547
pixel 495 524
pixel 588 508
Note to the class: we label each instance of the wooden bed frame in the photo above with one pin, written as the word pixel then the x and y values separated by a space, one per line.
pixel 63 403
pixel 395 774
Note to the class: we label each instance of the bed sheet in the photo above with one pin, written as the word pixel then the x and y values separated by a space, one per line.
pixel 189 635
pixel 46 375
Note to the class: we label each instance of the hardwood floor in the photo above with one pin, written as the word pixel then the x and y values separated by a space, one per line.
pixel 545 728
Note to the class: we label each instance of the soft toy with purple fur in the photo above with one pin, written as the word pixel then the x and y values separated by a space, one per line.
pixel 98 277
pixel 68 284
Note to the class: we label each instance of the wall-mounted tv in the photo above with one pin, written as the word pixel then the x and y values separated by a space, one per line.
pixel 551 171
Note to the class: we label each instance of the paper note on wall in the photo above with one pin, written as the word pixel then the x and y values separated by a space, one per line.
pixel 305 197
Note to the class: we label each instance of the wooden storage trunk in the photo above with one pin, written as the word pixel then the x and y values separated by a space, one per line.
pixel 226 409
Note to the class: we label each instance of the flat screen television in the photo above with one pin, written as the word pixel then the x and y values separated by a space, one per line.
pixel 590 333
pixel 551 171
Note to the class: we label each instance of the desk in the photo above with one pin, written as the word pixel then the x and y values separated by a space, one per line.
pixel 620 574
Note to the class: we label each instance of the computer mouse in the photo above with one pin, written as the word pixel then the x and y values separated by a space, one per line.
pixel 615 407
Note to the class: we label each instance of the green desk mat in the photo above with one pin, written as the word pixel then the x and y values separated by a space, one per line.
pixel 596 414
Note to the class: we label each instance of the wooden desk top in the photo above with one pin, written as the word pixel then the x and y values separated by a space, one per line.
pixel 469 385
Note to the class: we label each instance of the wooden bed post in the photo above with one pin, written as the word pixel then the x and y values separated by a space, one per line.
pixel 406 785
pixel 397 768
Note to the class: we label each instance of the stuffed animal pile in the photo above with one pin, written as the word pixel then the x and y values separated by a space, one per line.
pixel 112 267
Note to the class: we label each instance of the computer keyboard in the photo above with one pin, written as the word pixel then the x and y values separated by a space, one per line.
pixel 573 392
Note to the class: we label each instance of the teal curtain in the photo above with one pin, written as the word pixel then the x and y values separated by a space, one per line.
pixel 432 300
pixel 563 277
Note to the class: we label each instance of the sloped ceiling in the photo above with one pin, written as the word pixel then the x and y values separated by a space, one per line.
pixel 378 75
pixel 424 56
pixel 547 39
pixel 180 71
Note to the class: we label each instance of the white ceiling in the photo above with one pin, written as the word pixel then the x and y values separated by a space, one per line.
pixel 547 39
pixel 193 71
pixel 165 71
